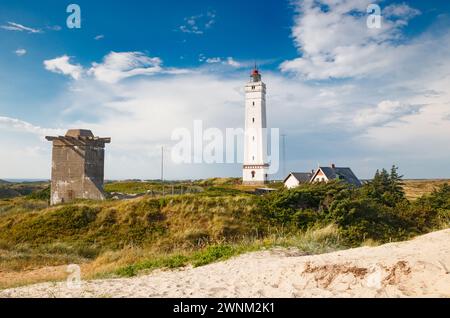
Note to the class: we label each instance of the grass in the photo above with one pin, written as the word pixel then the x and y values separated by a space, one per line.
pixel 132 261
pixel 124 238
pixel 199 258
pixel 12 190
pixel 180 187
pixel 414 189
pixel 309 242
pixel 105 235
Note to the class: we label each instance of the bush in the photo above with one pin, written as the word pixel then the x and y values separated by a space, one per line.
pixel 378 211
pixel 43 195
pixel 360 219
pixel 431 211
pixel 213 254
pixel 302 206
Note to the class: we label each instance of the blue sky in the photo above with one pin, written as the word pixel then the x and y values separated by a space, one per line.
pixel 137 70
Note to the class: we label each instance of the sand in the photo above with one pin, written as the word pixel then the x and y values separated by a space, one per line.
pixel 417 268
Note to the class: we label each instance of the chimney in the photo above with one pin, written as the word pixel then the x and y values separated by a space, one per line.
pixel 333 166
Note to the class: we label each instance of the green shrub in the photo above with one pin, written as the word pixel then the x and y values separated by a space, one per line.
pixel 290 206
pixel 43 195
pixel 212 254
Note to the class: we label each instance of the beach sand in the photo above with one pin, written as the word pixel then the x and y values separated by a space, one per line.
pixel 416 268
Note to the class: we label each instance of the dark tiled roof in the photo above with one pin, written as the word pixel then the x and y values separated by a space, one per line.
pixel 341 173
pixel 300 176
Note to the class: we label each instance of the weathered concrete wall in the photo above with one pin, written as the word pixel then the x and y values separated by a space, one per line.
pixel 77 167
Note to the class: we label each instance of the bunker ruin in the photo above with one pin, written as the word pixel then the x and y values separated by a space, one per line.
pixel 77 166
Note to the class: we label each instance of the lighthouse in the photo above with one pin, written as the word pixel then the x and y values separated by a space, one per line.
pixel 255 144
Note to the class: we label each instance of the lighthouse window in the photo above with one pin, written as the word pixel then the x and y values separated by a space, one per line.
pixel 253 119
pixel 253 103
pixel 253 174
pixel 253 87
pixel 253 138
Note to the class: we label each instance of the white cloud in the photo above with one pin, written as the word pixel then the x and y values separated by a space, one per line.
pixel 62 65
pixel 12 26
pixel 54 28
pixel 213 60
pixel 20 52
pixel 336 43
pixel 99 37
pixel 232 62
pixel 198 24
pixel 117 66
pixel 390 106
pixel 366 125
pixel 14 124
pixel 385 112
pixel 28 153
pixel 401 11
pixel 224 61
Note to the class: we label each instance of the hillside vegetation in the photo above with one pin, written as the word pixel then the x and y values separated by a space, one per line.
pixel 12 190
pixel 414 189
pixel 221 219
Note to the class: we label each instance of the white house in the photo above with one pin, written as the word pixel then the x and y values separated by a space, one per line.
pixel 326 174
pixel 294 179
pixel 322 174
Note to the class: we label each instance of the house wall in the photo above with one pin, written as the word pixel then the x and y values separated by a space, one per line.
pixel 291 182
pixel 320 177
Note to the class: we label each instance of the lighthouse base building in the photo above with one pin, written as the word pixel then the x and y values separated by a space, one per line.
pixel 255 175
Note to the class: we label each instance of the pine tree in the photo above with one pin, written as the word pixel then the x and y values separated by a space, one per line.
pixel 386 187
pixel 396 185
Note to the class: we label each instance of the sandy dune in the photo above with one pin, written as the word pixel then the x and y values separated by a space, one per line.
pixel 420 267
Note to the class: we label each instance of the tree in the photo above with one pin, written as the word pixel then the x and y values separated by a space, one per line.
pixel 396 185
pixel 386 188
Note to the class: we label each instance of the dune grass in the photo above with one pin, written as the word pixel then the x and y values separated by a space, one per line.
pixel 122 238
pixel 415 189
pixel 312 241
pixel 116 238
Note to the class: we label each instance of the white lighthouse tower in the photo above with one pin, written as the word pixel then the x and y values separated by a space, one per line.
pixel 255 143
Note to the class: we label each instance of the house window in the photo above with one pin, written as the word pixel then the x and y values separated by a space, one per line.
pixel 253 87
pixel 253 174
